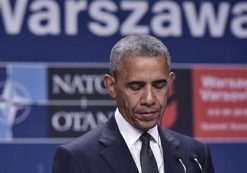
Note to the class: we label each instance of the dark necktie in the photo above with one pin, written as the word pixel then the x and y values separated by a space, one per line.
pixel 147 159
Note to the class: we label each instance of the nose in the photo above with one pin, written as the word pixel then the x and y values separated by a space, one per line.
pixel 148 98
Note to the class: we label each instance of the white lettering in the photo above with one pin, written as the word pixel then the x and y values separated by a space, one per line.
pixel 209 81
pixel 99 85
pixel 214 126
pixel 72 10
pixel 59 83
pixel 238 126
pixel 206 16
pixel 78 121
pixel 13 20
pixel 166 23
pixel 224 96
pixel 108 23
pixel 130 26
pixel 45 22
pixel 238 22
pixel 83 121
pixel 61 121
pixel 83 84
pixel 106 18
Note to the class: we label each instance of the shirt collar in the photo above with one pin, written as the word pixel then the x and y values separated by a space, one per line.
pixel 130 133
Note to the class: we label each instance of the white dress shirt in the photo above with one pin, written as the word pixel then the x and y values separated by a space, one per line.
pixel 131 136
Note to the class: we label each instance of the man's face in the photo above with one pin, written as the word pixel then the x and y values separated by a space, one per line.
pixel 141 90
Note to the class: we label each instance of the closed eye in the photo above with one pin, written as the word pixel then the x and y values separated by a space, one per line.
pixel 160 84
pixel 135 85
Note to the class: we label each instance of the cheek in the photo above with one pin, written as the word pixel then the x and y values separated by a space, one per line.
pixel 122 97
pixel 162 97
pixel 129 100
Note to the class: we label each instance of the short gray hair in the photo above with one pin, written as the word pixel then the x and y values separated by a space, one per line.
pixel 137 45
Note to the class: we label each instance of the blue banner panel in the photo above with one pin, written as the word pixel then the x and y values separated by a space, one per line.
pixel 85 30
pixel 229 157
pixel 37 158
pixel 28 158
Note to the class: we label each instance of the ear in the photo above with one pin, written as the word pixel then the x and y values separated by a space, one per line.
pixel 110 83
pixel 171 78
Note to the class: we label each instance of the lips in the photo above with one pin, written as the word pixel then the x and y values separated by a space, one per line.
pixel 148 115
pixel 149 112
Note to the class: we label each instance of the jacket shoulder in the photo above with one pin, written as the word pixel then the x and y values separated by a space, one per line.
pixel 185 142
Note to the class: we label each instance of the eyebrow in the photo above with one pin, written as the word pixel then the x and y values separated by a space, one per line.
pixel 160 81
pixel 135 82
pixel 143 82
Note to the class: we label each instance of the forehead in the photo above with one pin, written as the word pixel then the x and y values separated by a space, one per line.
pixel 144 68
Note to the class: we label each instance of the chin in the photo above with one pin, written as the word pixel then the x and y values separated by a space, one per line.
pixel 146 127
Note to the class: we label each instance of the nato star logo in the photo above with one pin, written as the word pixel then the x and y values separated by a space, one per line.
pixel 15 106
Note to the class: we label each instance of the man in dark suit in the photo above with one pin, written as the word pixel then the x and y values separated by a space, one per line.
pixel 132 140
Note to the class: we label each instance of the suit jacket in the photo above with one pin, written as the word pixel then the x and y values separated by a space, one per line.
pixel 103 150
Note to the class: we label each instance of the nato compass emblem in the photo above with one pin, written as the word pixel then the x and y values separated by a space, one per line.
pixel 15 106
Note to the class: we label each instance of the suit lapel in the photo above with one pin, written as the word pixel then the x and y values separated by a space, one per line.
pixel 116 152
pixel 170 146
pixel 119 158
